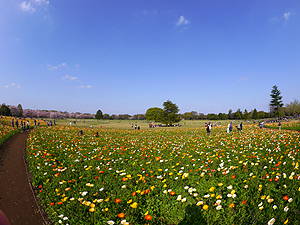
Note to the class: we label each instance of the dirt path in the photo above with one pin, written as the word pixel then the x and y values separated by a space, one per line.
pixel 16 198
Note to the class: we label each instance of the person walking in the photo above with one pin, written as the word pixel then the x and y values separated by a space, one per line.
pixel 279 125
pixel 208 128
pixel 229 128
pixel 241 126
pixel 13 123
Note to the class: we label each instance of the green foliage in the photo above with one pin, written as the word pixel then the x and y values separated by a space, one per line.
pixel 238 114
pixel 4 110
pixel 170 107
pixel 292 108
pixel 20 110
pixel 212 116
pixel 254 114
pixel 106 116
pixel 276 101
pixel 170 113
pixel 188 116
pixel 154 114
pixel 246 115
pixel 99 115
pixel 286 126
pixel 223 116
pixel 230 115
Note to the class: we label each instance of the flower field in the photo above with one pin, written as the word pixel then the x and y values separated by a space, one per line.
pixel 178 176
pixel 5 130
pixel 295 125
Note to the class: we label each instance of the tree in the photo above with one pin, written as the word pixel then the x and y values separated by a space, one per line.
pixel 212 116
pixel 4 110
pixel 193 115
pixel 238 114
pixel 230 115
pixel 254 114
pixel 170 113
pixel 154 114
pixel 246 115
pixel 99 115
pixel 124 116
pixel 106 116
pixel 187 116
pixel 20 110
pixel 223 116
pixel 276 101
pixel 292 108
pixel 138 117
pixel 14 110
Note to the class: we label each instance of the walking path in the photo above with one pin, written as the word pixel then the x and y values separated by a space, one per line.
pixel 16 196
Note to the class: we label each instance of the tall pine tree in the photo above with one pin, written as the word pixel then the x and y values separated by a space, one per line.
pixel 276 101
pixel 20 110
pixel 99 115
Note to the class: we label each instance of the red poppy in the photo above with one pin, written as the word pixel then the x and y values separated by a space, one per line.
pixel 117 200
pixel 285 197
pixel 121 215
pixel 148 217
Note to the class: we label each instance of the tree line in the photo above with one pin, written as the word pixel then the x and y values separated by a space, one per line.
pixel 6 110
pixel 168 114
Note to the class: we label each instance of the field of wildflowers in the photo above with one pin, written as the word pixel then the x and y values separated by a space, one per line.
pixel 294 125
pixel 179 176
pixel 6 130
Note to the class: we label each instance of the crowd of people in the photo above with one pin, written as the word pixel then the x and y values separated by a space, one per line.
pixel 153 125
pixel 135 127
pixel 25 124
pixel 208 127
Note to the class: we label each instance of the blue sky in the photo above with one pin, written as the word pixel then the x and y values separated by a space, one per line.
pixel 124 56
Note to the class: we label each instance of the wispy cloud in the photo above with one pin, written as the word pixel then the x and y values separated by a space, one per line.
pixel 31 6
pixel 27 6
pixel 182 21
pixel 286 16
pixel 69 77
pixel 85 86
pixel 11 85
pixel 57 67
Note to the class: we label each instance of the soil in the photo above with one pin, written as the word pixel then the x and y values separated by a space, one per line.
pixel 16 196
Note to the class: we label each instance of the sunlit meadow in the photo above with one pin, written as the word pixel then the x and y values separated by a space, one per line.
pixel 179 176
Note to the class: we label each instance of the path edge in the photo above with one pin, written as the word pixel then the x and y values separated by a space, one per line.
pixel 42 212
pixel 8 136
